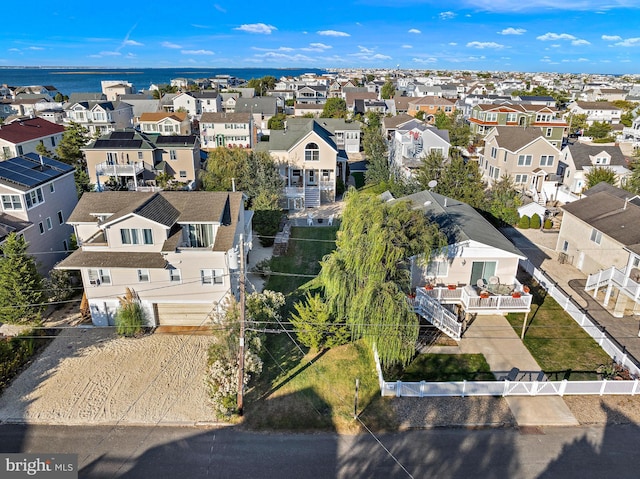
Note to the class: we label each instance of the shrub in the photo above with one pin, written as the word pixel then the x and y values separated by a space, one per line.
pixel 130 318
pixel 267 223
pixel 535 222
pixel 59 285
pixel 524 222
pixel 548 224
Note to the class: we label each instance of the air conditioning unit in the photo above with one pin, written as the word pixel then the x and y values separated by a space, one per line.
pixel 94 282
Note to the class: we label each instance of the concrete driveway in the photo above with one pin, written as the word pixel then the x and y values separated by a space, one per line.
pixel 90 376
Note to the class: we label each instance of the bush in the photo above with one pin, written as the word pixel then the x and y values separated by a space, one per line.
pixel 130 318
pixel 17 351
pixel 548 224
pixel 340 187
pixel 267 223
pixel 524 222
pixel 535 222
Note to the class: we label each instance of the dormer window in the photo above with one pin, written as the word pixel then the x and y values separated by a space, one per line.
pixel 602 160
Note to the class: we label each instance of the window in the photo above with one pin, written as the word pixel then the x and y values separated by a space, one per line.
pixel 494 152
pixel 311 152
pixel 11 202
pixel 211 276
pixel 20 150
pixel 198 235
pixel 143 276
pixel 65 245
pixel 53 141
pixel 112 158
pixel 34 198
pixel 136 236
pixel 565 246
pixel 99 276
pixel 524 160
pixel 546 160
pixel 521 179
pixel 173 155
pixel 41 227
pixel 596 236
pixel 49 223
pixel 492 117
pixel 140 155
pixel 482 270
pixel 175 276
pixel 636 262
pixel 602 160
pixel 496 173
pixel 60 218
pixel 512 117
pixel 52 189
pixel 183 174
pixel 549 131
pixel 438 268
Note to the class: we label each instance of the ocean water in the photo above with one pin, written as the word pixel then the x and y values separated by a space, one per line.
pixel 84 80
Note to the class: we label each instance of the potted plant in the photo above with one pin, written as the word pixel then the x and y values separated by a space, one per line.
pixel 526 289
pixel 484 294
pixel 452 286
pixel 516 294
pixel 428 287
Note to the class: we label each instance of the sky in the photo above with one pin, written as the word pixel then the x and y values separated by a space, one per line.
pixel 591 36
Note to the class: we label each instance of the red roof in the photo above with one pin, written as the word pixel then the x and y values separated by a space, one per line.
pixel 28 130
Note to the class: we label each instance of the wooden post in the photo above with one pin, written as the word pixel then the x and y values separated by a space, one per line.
pixel 355 402
pixel 524 325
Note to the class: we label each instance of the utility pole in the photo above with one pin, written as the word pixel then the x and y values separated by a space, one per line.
pixel 241 348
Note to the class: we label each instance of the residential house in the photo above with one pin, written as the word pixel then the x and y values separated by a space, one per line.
pixel 391 123
pixel 412 142
pixel 310 162
pixel 352 95
pixel 226 130
pixel 486 116
pixel 178 250
pixel 633 132
pixel 475 274
pixel 164 123
pixel 430 106
pixel 23 136
pixel 197 103
pixel 262 108
pixel 140 104
pixel 38 194
pixel 305 109
pixel 131 159
pixel 600 111
pixel 579 158
pixel 524 154
pixel 599 236
pixel 308 94
pixel 99 117
pixel 346 134
pixel 113 89
pixel 29 104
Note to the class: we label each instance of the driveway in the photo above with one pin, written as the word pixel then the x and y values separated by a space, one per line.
pixel 91 376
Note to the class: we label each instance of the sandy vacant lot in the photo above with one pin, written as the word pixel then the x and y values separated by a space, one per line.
pixel 90 376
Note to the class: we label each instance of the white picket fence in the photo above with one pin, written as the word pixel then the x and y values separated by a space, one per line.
pixel 531 388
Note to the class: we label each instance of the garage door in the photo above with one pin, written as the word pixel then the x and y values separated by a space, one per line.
pixel 173 314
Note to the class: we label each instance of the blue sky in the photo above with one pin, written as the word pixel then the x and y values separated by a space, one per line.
pixel 595 36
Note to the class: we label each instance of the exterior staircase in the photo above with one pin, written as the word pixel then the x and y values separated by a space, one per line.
pixel 437 314
pixel 312 197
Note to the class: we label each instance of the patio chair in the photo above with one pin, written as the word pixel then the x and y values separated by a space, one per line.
pixel 330 222
pixel 481 284
pixel 309 220
pixel 494 280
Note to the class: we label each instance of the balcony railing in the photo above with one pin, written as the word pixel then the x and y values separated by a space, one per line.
pixel 495 300
pixel 616 277
pixel 115 169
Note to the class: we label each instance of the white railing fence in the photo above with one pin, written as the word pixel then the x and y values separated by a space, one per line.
pixel 532 388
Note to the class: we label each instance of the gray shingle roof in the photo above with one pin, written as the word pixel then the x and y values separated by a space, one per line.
pixel 514 138
pixel 283 140
pixel 580 152
pixel 459 221
pixel 106 259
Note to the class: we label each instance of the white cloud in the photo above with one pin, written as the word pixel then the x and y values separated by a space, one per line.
pixel 545 59
pixel 280 57
pixel 537 5
pixel 132 43
pixel 280 49
pixel 170 45
pixel 556 36
pixel 369 54
pixel 197 52
pixel 14 49
pixel 407 46
pixel 256 28
pixel 35 48
pixel 195 25
pixel 447 15
pixel 512 31
pixel 629 42
pixel 611 38
pixel 333 33
pixel 219 8
pixel 320 46
pixel 110 54
pixel 453 44
pixel 424 60
pixel 414 30
pixel 579 42
pixel 482 45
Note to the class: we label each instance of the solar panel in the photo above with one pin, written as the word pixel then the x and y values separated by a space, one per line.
pixel 27 172
pixel 174 140
pixel 117 144
pixel 122 135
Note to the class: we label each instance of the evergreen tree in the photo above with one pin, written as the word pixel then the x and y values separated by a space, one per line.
pixel 314 325
pixel 334 108
pixel 74 138
pixel 21 286
pixel 375 151
pixel 504 200
pixel 387 91
pixel 42 150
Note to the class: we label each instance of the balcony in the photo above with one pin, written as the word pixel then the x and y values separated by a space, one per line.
pixel 496 299
pixel 114 169
pixel 613 277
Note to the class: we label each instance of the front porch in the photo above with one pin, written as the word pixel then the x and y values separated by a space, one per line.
pixel 309 188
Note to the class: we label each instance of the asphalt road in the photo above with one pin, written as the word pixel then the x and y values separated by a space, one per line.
pixel 178 452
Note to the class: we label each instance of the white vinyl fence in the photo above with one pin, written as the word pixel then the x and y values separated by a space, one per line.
pixel 532 388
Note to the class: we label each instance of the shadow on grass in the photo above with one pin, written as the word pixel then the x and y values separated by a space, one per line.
pixel 291 376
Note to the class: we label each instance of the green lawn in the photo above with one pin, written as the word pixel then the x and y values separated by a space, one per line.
pixel 307 246
pixel 444 367
pixel 559 345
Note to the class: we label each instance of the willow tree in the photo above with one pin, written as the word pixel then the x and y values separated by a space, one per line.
pixel 367 278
